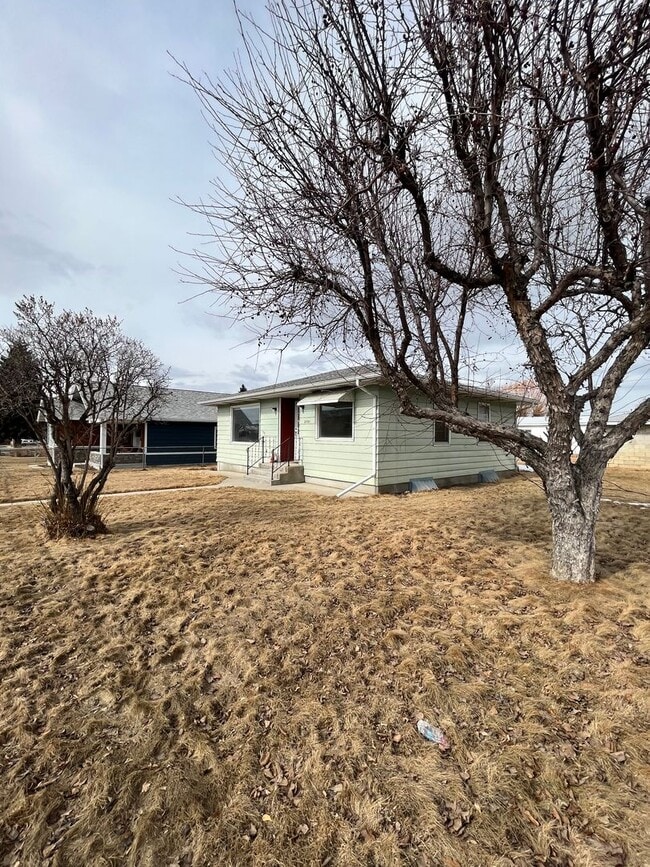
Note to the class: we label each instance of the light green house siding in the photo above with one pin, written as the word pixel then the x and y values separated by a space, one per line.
pixel 232 456
pixel 339 460
pixel 406 449
pixel 385 445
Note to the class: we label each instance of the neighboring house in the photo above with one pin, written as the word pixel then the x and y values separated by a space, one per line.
pixel 535 424
pixel 635 452
pixel 182 431
pixel 344 428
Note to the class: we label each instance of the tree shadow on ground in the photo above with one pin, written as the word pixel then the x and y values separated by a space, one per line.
pixel 622 535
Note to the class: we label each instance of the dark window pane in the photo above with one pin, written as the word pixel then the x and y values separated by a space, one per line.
pixel 440 432
pixel 335 420
pixel 245 424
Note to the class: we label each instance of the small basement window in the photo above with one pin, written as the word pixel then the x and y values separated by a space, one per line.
pixel 245 424
pixel 335 421
pixel 440 432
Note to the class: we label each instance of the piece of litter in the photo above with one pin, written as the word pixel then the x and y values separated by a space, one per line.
pixel 266 817
pixel 433 734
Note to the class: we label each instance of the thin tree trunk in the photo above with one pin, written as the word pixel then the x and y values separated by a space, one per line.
pixel 69 506
pixel 574 512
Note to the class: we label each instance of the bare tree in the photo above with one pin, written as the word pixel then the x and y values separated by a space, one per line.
pixel 400 171
pixel 83 373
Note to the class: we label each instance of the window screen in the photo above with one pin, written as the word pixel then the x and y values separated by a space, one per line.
pixel 245 424
pixel 335 420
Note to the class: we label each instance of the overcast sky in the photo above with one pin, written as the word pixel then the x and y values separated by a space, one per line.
pixel 97 140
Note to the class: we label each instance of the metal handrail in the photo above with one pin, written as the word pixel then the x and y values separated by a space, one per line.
pixel 253 463
pixel 277 464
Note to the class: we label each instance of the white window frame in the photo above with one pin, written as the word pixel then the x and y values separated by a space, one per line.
pixel 318 436
pixel 246 443
pixel 480 403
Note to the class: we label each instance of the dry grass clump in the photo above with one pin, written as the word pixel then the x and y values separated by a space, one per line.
pixel 233 677
pixel 30 478
pixel 64 524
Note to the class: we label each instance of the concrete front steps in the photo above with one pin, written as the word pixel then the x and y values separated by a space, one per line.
pixel 292 474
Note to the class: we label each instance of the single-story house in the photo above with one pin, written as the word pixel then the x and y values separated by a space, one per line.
pixel 183 430
pixel 344 429
pixel 634 453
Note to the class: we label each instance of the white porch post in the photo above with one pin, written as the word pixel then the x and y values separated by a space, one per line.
pixel 102 443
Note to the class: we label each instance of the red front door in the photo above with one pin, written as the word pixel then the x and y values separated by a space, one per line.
pixel 287 427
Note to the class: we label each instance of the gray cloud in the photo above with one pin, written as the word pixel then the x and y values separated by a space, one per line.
pixel 200 382
pixel 177 373
pixel 253 376
pixel 27 264
pixel 274 367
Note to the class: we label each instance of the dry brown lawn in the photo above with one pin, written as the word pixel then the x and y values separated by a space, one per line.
pixel 29 479
pixel 627 484
pixel 233 677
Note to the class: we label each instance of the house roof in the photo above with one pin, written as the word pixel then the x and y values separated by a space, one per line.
pixel 185 404
pixel 364 374
pixel 181 404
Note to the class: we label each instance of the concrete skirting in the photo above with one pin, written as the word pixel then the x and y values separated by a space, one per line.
pixel 446 482
pixel 294 474
pixel 231 468
pixel 340 484
pixel 369 488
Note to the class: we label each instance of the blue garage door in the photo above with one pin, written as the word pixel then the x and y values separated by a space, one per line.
pixel 180 442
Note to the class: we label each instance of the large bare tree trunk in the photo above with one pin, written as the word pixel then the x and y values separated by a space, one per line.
pixel 574 512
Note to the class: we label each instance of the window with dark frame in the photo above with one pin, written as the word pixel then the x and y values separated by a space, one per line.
pixel 335 420
pixel 245 424
pixel 440 432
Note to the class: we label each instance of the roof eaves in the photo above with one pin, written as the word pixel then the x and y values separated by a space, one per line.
pixel 292 388
pixel 335 384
